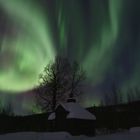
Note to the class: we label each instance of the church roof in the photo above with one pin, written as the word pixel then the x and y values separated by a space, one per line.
pixel 75 111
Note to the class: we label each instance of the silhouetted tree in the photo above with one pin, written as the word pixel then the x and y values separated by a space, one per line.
pixel 77 75
pixel 106 99
pixel 132 94
pixel 7 110
pixel 113 97
pixel 117 97
pixel 59 80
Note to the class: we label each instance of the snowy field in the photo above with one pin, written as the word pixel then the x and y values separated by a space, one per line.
pixel 133 134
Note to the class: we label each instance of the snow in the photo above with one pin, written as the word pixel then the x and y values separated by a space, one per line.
pixel 36 136
pixel 51 116
pixel 67 136
pixel 75 111
pixel 118 136
pixel 134 129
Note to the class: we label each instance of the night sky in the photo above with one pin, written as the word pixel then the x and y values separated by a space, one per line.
pixel 102 35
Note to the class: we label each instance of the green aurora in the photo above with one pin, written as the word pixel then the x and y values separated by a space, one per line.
pixel 32 45
pixel 97 33
pixel 28 50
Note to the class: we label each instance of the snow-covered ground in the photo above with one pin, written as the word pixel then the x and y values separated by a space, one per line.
pixel 130 135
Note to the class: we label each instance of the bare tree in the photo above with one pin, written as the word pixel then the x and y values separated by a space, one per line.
pixel 136 92
pixel 113 97
pixel 77 76
pixel 7 110
pixel 132 94
pixel 106 99
pixel 59 80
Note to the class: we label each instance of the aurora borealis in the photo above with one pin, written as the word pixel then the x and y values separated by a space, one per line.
pixel 103 35
pixel 25 45
pixel 30 44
